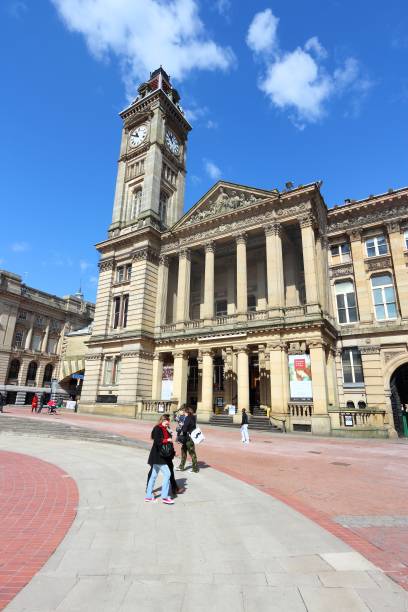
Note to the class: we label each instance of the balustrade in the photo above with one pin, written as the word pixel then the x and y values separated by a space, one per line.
pixel 300 409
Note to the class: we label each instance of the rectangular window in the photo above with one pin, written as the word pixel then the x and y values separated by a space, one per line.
pixel 376 246
pixel 116 371
pixel 125 305
pixel 128 272
pixel 36 342
pixel 18 339
pixel 346 302
pixel 116 312
pixel 340 253
pixel 108 372
pixel 39 320
pixel 22 315
pixel 52 345
pixel 120 274
pixel 384 297
pixel 352 367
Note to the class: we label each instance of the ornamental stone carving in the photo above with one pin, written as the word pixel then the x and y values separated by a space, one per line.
pixel 369 349
pixel 226 201
pixel 391 355
pixel 185 253
pixel 164 260
pixel 378 264
pixel 92 357
pixel 106 264
pixel 209 247
pixel 379 215
pixel 346 270
pixel 306 220
pixel 241 238
pixel 273 229
pixel 393 226
pixel 146 254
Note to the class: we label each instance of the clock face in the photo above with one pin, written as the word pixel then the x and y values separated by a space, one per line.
pixel 137 135
pixel 172 142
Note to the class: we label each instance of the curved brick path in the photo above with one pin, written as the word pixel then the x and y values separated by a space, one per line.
pixel 38 503
pixel 356 489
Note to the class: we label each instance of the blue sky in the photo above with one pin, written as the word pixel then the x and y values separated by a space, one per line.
pixel 275 91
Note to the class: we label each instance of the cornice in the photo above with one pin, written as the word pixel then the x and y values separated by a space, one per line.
pixel 378 210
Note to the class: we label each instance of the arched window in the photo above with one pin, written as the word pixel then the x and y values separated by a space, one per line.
pixel 31 372
pixel 14 370
pixel 350 405
pixel 163 206
pixel 362 405
pixel 384 297
pixel 47 374
pixel 346 301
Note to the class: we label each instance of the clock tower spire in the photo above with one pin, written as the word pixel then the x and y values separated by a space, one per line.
pixel 152 163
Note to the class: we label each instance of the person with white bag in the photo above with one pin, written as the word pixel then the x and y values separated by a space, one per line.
pixel 186 437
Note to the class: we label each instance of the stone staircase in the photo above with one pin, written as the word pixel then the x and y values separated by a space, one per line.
pixel 222 420
pixel 258 420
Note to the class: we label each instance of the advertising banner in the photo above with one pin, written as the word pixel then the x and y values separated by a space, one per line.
pixel 300 377
pixel 167 382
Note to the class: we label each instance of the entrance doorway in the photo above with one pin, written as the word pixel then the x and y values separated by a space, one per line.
pixel 399 399
pixel 254 390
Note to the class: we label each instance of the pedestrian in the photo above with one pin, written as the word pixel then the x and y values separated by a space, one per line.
pixel 244 427
pixel 34 403
pixel 175 489
pixel 2 402
pixel 160 452
pixel 187 444
pixel 41 402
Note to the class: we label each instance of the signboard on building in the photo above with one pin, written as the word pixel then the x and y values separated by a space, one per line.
pixel 300 377
pixel 167 382
pixel 348 420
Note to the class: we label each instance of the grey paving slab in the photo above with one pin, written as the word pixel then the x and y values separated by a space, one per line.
pixel 228 546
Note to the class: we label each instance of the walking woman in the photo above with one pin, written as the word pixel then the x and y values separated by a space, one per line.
pixel 34 403
pixel 160 452
pixel 187 445
pixel 174 488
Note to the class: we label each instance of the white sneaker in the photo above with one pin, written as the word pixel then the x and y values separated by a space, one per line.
pixel 193 472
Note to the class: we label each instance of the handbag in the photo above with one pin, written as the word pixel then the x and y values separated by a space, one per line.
pixel 167 450
pixel 197 436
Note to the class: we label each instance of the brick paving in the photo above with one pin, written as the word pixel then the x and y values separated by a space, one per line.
pixel 38 503
pixel 323 478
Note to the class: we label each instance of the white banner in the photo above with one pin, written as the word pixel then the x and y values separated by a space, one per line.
pixel 300 377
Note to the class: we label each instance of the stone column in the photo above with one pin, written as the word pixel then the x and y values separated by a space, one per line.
pixel 333 394
pixel 263 381
pixel 320 416
pixel 228 375
pixel 183 287
pixel 400 266
pixel 243 378
pixel 242 297
pixel 274 265
pixel 27 344
pixel 44 342
pixel 157 375
pixel 208 305
pixel 261 285
pixel 279 378
pixel 162 285
pixel 206 408
pixel 309 262
pixel 230 286
pixel 322 273
pixel 180 376
pixel 360 277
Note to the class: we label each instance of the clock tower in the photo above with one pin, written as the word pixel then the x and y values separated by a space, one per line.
pixel 152 163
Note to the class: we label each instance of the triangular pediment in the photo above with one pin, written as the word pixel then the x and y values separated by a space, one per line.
pixel 221 199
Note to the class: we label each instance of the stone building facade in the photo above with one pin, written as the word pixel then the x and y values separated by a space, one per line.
pixel 259 299
pixel 32 328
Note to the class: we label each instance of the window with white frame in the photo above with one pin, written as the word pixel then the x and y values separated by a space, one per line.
pixel 123 273
pixel 352 366
pixel 384 297
pixel 377 245
pixel 112 371
pixel 406 240
pixel 346 301
pixel 340 253
pixel 120 311
pixel 107 379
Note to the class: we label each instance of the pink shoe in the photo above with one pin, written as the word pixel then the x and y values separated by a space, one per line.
pixel 167 500
pixel 149 499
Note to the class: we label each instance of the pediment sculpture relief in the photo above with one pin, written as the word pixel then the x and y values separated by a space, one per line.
pixel 225 201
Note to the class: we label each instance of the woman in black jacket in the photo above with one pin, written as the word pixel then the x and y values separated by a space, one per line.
pixel 175 489
pixel 162 449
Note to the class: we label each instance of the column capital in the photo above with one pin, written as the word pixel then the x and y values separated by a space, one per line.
pixel 306 220
pixel 179 353
pixel 206 352
pixel 316 344
pixel 185 253
pixel 164 260
pixel 241 349
pixel 276 346
pixel 354 235
pixel 241 238
pixel 157 356
pixel 209 246
pixel 273 229
pixel 393 227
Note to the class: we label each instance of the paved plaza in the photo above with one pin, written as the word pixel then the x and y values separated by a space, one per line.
pixel 226 543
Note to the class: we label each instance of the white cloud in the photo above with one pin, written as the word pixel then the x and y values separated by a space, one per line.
pixel 223 7
pixel 212 169
pixel 20 247
pixel 211 125
pixel 93 280
pixel 143 34
pixel 2 261
pixel 194 113
pixel 84 265
pixel 298 80
pixel 262 33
